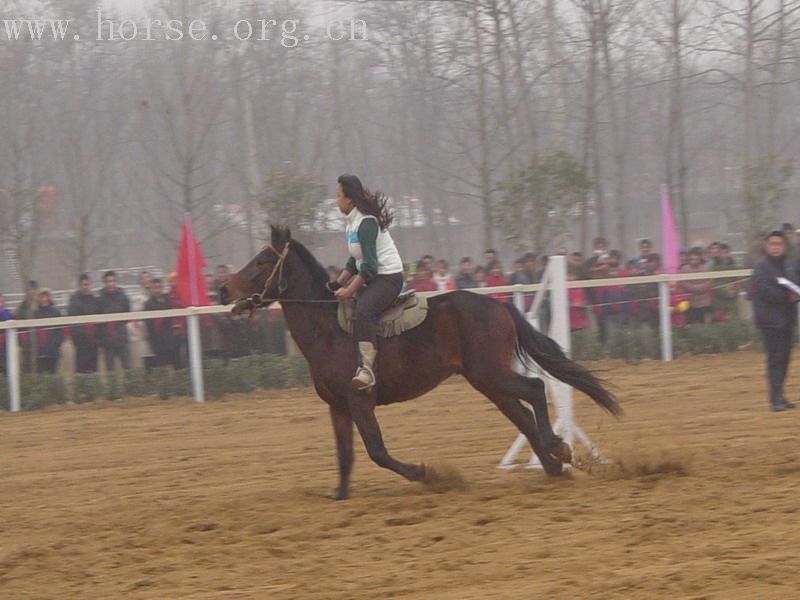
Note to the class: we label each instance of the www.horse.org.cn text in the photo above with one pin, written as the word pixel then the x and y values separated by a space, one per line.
pixel 289 33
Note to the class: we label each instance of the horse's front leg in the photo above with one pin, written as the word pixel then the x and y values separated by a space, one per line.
pixel 343 429
pixel 362 410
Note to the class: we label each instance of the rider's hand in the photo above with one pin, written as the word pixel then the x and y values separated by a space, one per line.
pixel 343 293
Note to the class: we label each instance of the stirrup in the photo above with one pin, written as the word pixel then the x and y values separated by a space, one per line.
pixel 364 379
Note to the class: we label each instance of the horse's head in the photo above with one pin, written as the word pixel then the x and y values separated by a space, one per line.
pixel 261 281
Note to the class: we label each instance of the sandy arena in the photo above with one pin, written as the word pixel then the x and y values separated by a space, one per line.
pixel 231 499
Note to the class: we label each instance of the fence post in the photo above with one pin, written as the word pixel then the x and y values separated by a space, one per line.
pixel 12 368
pixel 559 304
pixel 665 321
pixel 196 358
pixel 519 366
pixel 519 301
pixel 560 332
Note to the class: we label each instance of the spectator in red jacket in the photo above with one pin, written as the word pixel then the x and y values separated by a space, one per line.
pixel 578 318
pixel 423 281
pixel 601 298
pixel 495 278
pixel 618 294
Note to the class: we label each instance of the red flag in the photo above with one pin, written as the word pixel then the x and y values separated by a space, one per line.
pixel 191 285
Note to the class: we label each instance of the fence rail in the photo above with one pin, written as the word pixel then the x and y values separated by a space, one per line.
pixel 195 352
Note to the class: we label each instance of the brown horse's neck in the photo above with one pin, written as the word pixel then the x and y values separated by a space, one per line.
pixel 308 323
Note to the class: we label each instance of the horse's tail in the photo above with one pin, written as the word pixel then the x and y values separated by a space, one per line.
pixel 534 345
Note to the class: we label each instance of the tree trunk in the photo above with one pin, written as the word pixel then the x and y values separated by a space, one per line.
pixel 251 158
pixel 555 98
pixel 591 152
pixel 750 203
pixel 676 144
pixel 483 133
pixel 616 128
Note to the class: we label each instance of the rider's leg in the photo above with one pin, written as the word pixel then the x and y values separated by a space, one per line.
pixel 376 297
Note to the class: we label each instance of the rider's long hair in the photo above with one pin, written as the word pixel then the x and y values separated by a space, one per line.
pixel 369 203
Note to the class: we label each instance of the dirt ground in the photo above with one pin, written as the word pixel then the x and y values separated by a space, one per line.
pixel 231 499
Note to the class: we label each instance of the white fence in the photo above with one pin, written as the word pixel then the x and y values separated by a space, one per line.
pixel 195 351
pixel 191 314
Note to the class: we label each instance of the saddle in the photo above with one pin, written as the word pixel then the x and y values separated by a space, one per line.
pixel 405 313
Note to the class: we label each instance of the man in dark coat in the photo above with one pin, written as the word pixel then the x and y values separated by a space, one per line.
pixel 159 331
pixel 49 338
pixel 775 311
pixel 84 302
pixel 114 336
pixel 464 280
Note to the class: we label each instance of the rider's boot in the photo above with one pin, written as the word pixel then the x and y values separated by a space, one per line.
pixel 364 378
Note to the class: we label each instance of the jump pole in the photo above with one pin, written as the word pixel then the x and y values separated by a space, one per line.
pixel 556 276
pixel 12 368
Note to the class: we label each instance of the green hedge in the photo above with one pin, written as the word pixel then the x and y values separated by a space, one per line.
pixel 638 342
pixel 240 375
pixel 271 371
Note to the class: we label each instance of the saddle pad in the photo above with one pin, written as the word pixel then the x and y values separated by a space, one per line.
pixel 394 325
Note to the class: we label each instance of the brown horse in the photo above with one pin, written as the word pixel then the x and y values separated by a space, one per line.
pixel 464 333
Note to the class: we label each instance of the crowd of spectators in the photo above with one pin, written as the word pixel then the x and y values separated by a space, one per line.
pixel 603 308
pixel 158 342
pixel 162 342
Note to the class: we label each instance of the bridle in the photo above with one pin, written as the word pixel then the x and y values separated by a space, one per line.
pixel 258 300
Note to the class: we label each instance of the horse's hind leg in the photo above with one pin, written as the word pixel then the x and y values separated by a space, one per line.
pixel 513 409
pixel 362 410
pixel 499 383
pixel 532 390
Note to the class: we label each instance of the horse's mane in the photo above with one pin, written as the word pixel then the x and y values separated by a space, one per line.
pixel 319 274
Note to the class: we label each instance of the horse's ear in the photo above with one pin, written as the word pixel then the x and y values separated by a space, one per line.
pixel 275 234
pixel 280 236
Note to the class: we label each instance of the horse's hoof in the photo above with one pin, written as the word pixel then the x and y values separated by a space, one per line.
pixel 553 468
pixel 557 456
pixel 563 452
pixel 341 494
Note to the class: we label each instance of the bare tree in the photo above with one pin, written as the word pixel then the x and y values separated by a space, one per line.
pixel 23 157
pixel 746 32
pixel 183 112
pixel 592 13
pixel 676 16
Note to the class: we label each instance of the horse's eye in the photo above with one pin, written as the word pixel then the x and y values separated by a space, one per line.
pixel 261 261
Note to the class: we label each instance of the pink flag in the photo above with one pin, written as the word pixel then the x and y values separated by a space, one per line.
pixel 191 285
pixel 669 239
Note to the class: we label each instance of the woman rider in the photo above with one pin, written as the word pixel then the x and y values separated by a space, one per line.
pixel 374 268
